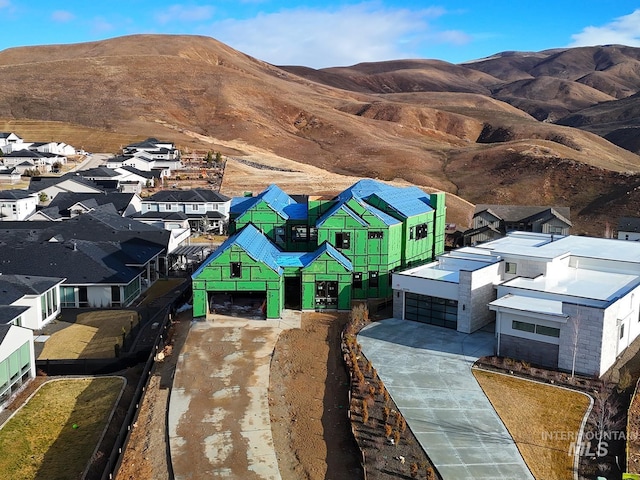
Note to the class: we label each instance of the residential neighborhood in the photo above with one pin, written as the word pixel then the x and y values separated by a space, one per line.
pixel 98 239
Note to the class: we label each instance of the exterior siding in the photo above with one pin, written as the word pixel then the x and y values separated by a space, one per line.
pixel 539 353
pixel 378 244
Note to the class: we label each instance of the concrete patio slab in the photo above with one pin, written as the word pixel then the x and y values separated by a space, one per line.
pixel 427 371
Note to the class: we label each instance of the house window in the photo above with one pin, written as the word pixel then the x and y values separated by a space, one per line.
pixel 548 331
pixel 343 240
pixel 622 331
pixel 375 234
pixel 373 279
pixel 524 326
pixel 299 233
pixel 555 229
pixel 115 296
pixel 313 234
pixel 357 279
pixel 510 267
pixel 83 297
pixel 411 233
pixel 236 269
pixel 422 231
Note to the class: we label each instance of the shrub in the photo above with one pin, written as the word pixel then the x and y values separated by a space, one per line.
pixel 385 414
pixel 388 430
pixel 365 411
pixel 396 437
pixel 414 470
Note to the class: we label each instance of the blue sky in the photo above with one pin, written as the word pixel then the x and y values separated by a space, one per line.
pixel 334 32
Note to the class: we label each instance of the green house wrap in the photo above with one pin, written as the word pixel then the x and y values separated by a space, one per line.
pixel 325 253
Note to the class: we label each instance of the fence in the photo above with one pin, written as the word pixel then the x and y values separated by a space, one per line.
pixel 113 462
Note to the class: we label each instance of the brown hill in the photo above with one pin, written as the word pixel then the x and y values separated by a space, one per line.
pixel 203 94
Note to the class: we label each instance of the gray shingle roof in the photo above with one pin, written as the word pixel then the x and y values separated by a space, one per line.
pixel 14 194
pixel 198 195
pixel 14 287
pixel 4 329
pixel 9 313
pixel 516 213
pixel 66 200
pixel 629 224
pixel 37 184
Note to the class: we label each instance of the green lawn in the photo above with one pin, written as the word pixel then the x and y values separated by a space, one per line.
pixel 40 440
pixel 542 419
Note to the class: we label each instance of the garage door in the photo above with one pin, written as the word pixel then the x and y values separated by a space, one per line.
pixel 432 310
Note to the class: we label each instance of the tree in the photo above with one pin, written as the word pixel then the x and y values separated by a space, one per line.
pixel 218 158
pixel 209 157
pixel 606 417
pixel 43 197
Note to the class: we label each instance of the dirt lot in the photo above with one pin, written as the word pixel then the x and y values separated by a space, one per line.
pixel 308 402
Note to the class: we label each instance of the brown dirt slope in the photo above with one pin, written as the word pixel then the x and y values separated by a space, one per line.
pixel 203 94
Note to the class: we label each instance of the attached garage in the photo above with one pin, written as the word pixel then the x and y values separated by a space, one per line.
pixel 248 268
pixel 442 312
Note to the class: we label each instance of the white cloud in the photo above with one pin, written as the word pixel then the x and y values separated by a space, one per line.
pixel 184 13
pixel 344 36
pixel 101 25
pixel 62 16
pixel 623 30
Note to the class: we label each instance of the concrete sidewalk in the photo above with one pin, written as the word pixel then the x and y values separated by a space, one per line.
pixel 219 424
pixel 427 371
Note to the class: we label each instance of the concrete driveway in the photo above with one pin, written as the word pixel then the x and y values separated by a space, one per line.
pixel 427 371
pixel 219 424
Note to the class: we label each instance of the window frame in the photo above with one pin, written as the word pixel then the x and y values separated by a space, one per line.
pixel 235 269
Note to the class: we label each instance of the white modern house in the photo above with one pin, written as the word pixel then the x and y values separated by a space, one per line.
pixel 38 296
pixel 565 302
pixel 17 204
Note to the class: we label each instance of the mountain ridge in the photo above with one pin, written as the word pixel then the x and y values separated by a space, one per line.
pixel 402 119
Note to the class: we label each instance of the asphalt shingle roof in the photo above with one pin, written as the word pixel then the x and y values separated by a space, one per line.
pixel 196 195
pixel 9 313
pixel 516 213
pixel 14 194
pixel 66 200
pixel 14 287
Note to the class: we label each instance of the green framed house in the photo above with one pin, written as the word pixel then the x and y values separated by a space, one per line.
pixel 320 254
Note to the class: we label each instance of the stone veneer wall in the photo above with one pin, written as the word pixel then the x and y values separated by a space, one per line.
pixel 539 353
pixel 398 304
pixel 589 324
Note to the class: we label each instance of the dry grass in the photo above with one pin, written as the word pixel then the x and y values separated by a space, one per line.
pixel 161 288
pixel 40 441
pixel 531 412
pixel 93 335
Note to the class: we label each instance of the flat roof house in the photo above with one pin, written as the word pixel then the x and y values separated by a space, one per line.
pixel 322 253
pixel 565 302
